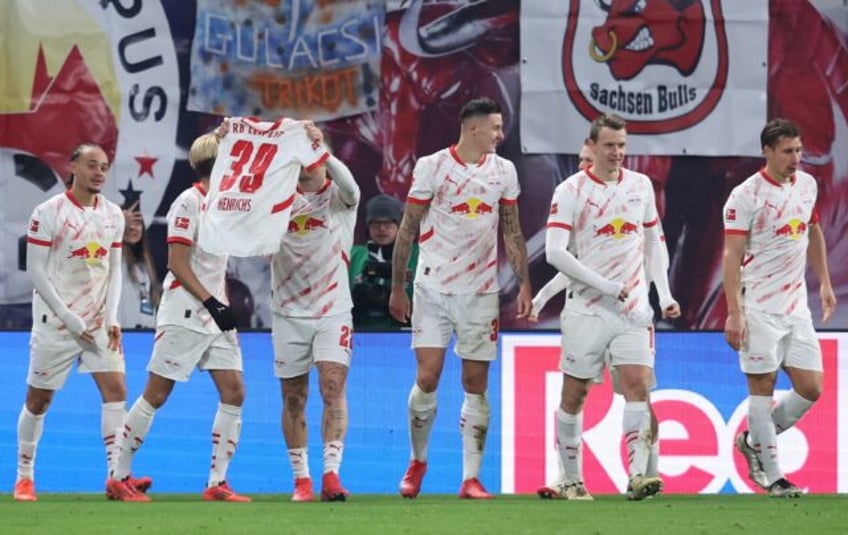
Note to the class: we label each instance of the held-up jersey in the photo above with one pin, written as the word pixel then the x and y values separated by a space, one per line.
pixel 607 221
pixel 252 185
pixel 178 306
pixel 81 240
pixel 775 218
pixel 309 272
pixel 459 241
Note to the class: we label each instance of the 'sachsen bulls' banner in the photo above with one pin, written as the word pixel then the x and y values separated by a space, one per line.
pixel 289 58
pixel 701 403
pixel 689 76
pixel 81 71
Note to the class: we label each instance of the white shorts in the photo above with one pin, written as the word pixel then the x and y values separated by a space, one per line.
pixel 775 341
pixel 300 342
pixel 52 352
pixel 177 351
pixel 587 338
pixel 473 317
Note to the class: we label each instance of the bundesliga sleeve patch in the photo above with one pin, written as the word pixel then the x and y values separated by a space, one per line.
pixel 181 222
pixel 730 214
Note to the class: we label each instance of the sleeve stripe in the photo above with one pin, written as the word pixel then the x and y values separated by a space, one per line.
pixel 650 223
pixel 36 241
pixel 324 157
pixel 735 232
pixel 179 239
pixel 413 200
pixel 556 224
pixel 508 201
pixel 117 244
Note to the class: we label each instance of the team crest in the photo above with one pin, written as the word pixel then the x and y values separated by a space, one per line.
pixel 101 72
pixel 660 64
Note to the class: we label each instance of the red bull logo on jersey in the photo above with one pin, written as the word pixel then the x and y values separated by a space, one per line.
pixel 472 208
pixel 89 253
pixel 304 224
pixel 617 229
pixel 793 230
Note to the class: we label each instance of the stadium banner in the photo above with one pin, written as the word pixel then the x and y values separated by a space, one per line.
pixel 701 404
pixel 689 77
pixel 286 59
pixel 97 72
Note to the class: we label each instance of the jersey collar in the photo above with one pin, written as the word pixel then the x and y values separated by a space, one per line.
pixel 455 156
pixel 595 178
pixel 199 187
pixel 772 181
pixel 77 203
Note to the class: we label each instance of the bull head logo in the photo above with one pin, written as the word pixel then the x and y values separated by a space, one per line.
pixel 638 33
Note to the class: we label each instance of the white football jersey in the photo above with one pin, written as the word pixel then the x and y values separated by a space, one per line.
pixel 776 218
pixel 253 183
pixel 459 232
pixel 81 240
pixel 309 273
pixel 607 222
pixel 178 306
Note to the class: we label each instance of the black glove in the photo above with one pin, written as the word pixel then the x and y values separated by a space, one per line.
pixel 221 313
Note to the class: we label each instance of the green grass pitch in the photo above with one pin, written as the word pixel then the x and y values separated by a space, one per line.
pixel 432 514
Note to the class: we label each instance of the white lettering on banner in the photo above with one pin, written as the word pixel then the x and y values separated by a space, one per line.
pixel 697 453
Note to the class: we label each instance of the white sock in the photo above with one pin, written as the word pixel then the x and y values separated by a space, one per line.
pixel 653 468
pixel 136 426
pixel 299 459
pixel 333 452
pixel 560 479
pixel 636 427
pixel 569 428
pixel 422 413
pixel 473 425
pixel 763 435
pixel 30 428
pixel 111 419
pixel 789 409
pixel 226 430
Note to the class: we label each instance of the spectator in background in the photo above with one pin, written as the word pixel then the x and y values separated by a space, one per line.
pixel 371 266
pixel 141 288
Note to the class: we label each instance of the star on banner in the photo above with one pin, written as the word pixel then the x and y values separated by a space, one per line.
pixel 131 195
pixel 145 165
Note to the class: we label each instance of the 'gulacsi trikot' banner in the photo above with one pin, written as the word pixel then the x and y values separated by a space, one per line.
pixel 293 58
pixel 688 76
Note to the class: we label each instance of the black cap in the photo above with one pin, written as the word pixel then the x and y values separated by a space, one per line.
pixel 383 207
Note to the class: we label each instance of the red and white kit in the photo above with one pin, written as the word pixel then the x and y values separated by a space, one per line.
pixel 178 306
pixel 80 241
pixel 776 219
pixel 309 271
pixel 253 183
pixel 459 240
pixel 607 222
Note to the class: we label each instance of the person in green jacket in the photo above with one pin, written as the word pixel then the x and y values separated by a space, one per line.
pixel 371 266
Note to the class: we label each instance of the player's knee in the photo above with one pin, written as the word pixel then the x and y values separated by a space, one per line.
pixel 38 405
pixel 294 401
pixel 427 381
pixel 233 395
pixel 156 398
pixel 811 392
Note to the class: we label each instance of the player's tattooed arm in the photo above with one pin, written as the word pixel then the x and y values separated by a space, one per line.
pixel 412 215
pixel 516 248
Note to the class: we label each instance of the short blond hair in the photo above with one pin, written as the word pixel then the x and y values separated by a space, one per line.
pixel 202 153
